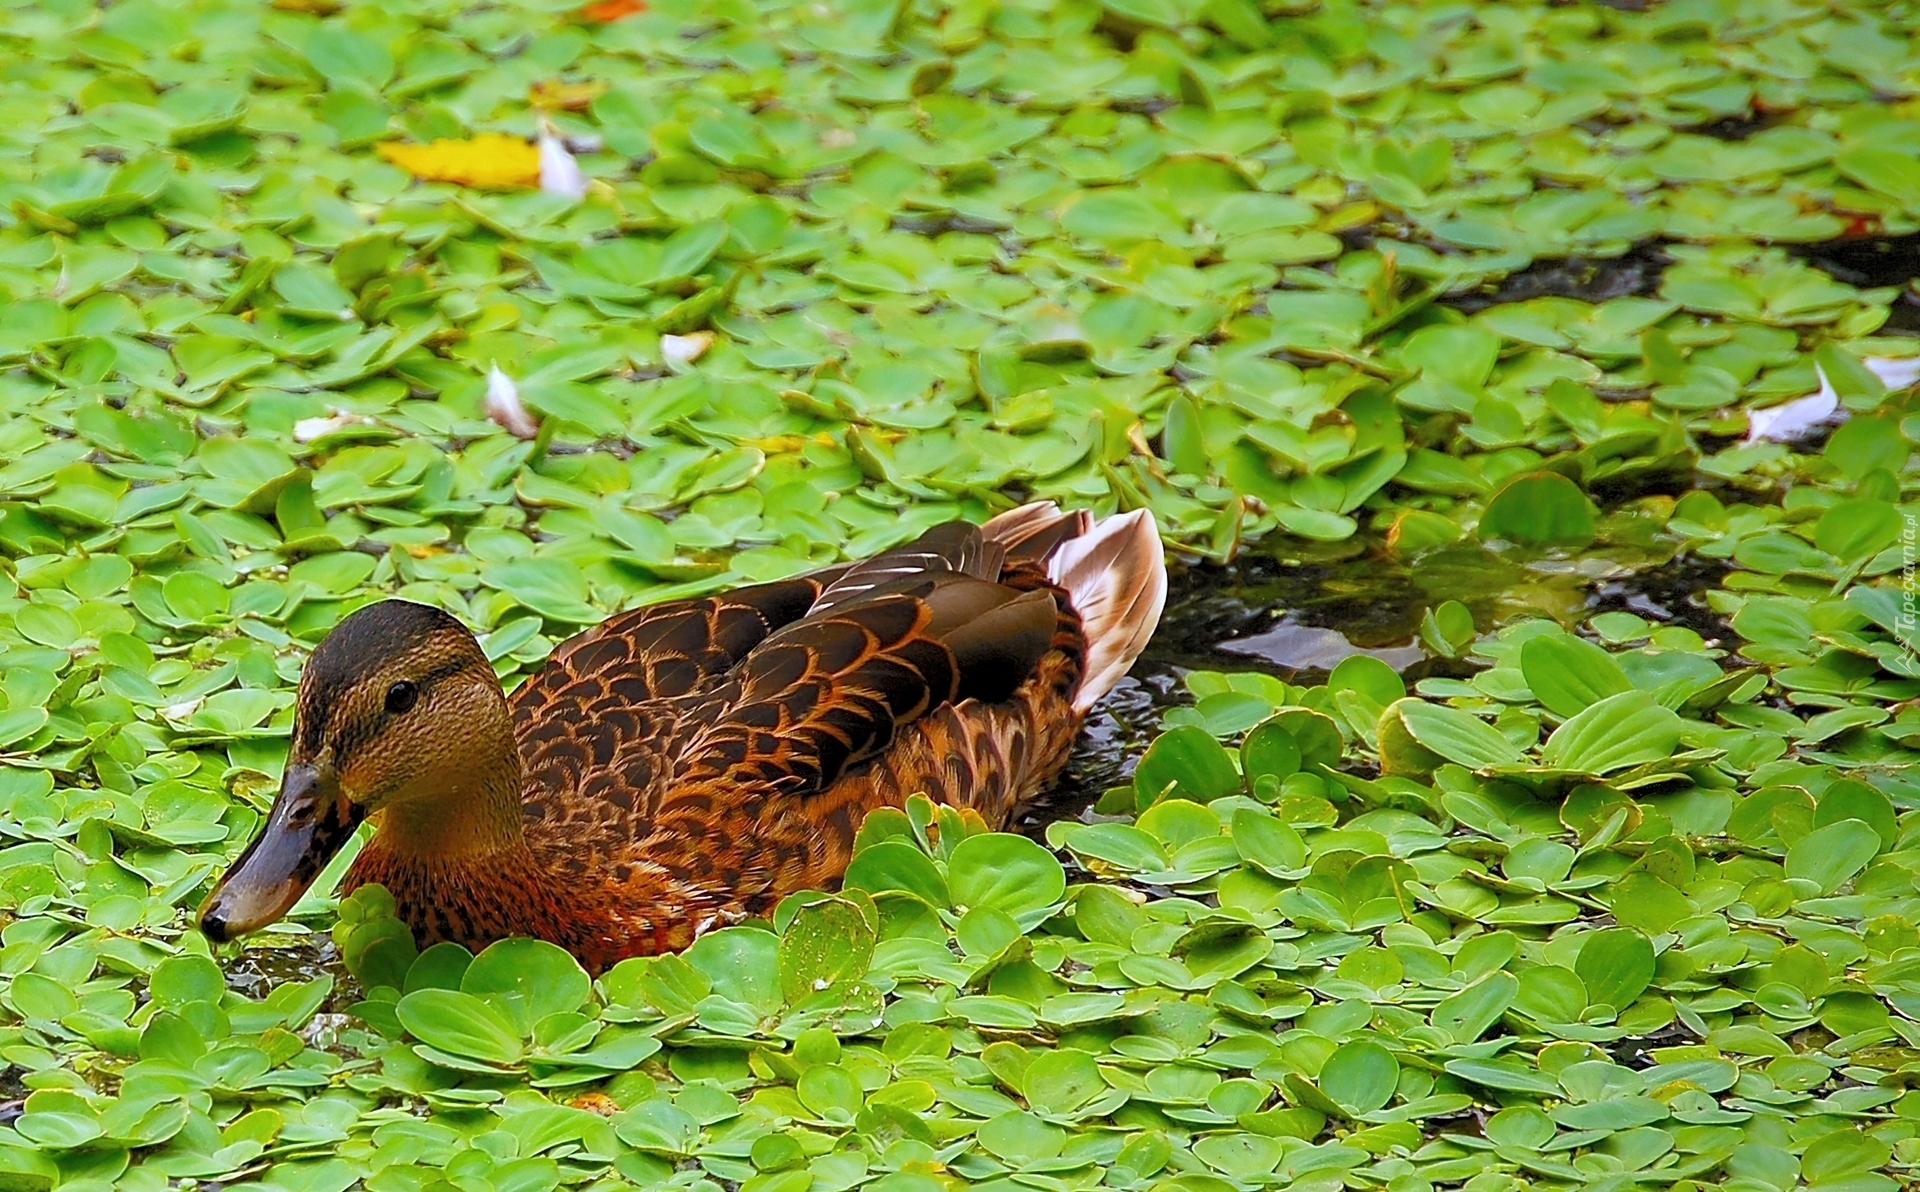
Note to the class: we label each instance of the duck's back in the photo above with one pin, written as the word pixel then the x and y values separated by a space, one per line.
pixel 729 746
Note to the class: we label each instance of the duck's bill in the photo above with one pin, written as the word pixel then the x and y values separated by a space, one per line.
pixel 310 822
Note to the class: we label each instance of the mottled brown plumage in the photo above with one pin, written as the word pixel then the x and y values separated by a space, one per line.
pixel 689 764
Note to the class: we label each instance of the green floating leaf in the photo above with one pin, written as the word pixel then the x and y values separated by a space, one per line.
pixel 1836 1156
pixel 1416 734
pixel 1185 762
pixel 1269 749
pixel 1628 729
pixel 743 965
pixel 1543 509
pixel 896 865
pixel 1007 873
pixel 1019 1137
pixel 1360 1076
pixel 1568 674
pixel 527 979
pixel 1266 842
pixel 1469 1013
pixel 829 941
pixel 1886 170
pixel 1061 1081
pixel 1829 857
pixel 460 1024
pixel 1616 965
pixel 1852 531
pixel 1644 901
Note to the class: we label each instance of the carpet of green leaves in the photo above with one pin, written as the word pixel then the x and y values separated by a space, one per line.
pixel 1609 904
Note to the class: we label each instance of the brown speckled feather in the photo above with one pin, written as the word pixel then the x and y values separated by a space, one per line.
pixel 595 722
pixel 690 764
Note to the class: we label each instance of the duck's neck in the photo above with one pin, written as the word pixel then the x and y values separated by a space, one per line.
pixel 460 868
pixel 475 813
pixel 457 863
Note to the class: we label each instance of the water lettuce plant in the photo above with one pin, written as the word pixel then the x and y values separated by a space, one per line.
pixel 1480 299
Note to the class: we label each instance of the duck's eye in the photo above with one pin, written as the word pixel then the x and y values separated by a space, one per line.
pixel 402 696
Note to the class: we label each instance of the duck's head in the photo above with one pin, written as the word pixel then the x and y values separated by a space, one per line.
pixel 398 715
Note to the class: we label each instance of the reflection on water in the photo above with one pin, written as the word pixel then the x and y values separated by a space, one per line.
pixel 1310 647
pixel 262 968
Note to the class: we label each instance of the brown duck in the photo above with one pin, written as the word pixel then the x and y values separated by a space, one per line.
pixel 688 764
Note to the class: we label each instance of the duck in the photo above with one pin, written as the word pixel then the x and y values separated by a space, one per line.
pixel 686 765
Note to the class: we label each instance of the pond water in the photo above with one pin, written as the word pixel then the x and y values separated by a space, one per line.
pixel 1296 617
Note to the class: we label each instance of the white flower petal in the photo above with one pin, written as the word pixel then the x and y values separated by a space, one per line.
pixel 559 173
pixel 1795 419
pixel 685 349
pixel 504 407
pixel 308 429
pixel 1895 372
pixel 1803 415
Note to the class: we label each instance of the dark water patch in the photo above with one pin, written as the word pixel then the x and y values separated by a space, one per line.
pixel 1870 262
pixel 1674 594
pixel 1340 599
pixel 13 1094
pixel 1865 261
pixel 1674 476
pixel 1635 273
pixel 1736 128
pixel 1295 616
pixel 1353 589
pixel 1636 1051
pixel 259 970
pixel 1295 647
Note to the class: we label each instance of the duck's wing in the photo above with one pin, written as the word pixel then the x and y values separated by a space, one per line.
pixel 739 816
pixel 591 725
pixel 832 689
pixel 667 649
pixel 914 673
pixel 624 708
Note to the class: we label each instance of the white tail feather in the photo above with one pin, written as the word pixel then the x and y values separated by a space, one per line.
pixel 1115 573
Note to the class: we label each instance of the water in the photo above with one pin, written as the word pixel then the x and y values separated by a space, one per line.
pixel 1872 261
pixel 1294 617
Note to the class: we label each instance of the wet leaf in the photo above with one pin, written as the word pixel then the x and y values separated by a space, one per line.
pixel 1621 730
pixel 1185 762
pixel 1616 965
pixel 1568 674
pixel 459 1024
pixel 1539 510
pixel 1006 873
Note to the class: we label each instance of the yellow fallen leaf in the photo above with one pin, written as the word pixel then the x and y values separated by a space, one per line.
pixel 490 161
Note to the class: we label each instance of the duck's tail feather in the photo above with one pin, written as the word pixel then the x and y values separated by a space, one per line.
pixel 1036 529
pixel 1114 572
